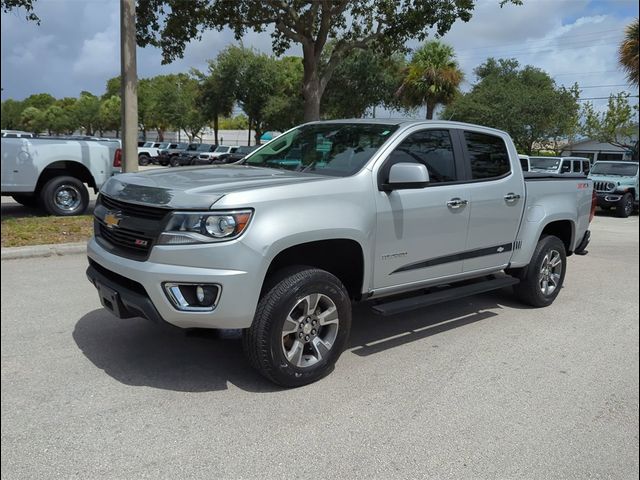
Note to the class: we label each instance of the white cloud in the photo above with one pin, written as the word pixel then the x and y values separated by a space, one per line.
pixel 100 54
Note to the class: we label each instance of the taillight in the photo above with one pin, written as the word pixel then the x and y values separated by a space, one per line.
pixel 117 158
pixel 594 204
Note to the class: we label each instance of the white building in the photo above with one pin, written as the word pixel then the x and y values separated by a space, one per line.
pixel 596 151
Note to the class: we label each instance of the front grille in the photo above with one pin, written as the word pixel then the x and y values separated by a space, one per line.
pixel 133 210
pixel 603 186
pixel 134 242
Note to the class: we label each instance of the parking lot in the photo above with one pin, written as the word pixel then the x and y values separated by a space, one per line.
pixel 480 388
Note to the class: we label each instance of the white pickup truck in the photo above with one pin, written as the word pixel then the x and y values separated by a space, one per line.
pixel 54 173
pixel 398 214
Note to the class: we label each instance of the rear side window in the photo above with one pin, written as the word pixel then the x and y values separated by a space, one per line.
pixel 432 148
pixel 576 166
pixel 586 166
pixel 488 156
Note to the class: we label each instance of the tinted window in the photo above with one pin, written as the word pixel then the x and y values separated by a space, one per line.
pixel 577 164
pixel 432 148
pixel 586 166
pixel 488 156
pixel 566 166
pixel 609 156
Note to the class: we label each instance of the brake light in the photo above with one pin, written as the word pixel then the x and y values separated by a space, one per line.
pixel 117 158
pixel 594 204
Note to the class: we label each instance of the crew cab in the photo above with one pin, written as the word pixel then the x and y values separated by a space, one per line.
pixel 397 214
pixel 54 173
pixel 617 186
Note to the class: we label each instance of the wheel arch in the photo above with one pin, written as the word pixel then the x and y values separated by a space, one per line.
pixel 68 168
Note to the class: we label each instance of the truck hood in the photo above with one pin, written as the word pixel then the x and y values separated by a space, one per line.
pixel 197 187
pixel 617 179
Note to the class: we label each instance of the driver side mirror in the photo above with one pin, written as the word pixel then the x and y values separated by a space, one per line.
pixel 406 175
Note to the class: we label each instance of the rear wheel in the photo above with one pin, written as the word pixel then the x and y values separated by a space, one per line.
pixel 64 196
pixel 542 279
pixel 625 206
pixel 301 327
pixel 174 162
pixel 144 159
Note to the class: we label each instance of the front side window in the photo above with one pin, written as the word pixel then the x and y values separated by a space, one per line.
pixel 332 149
pixel 431 148
pixel 488 156
pixel 577 165
pixel 566 166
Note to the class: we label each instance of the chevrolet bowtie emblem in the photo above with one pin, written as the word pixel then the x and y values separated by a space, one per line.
pixel 112 219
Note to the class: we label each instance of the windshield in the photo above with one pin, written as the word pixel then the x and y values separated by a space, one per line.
pixel 620 169
pixel 204 147
pixel 544 163
pixel 164 145
pixel 333 149
pixel 221 149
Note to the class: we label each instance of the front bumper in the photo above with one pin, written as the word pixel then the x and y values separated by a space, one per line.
pixel 608 199
pixel 118 275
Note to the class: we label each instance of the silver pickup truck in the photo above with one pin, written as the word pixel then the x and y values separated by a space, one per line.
pixel 53 173
pixel 399 214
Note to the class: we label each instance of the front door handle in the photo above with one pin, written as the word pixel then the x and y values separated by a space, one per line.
pixel 511 197
pixel 457 203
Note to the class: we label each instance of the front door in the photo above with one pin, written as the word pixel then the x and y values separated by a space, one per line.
pixel 421 232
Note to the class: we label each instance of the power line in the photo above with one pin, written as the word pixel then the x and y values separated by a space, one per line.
pixel 602 86
pixel 603 98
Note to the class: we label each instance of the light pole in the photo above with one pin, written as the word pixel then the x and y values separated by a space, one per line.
pixel 129 85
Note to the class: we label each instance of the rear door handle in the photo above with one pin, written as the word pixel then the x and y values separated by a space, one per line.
pixel 511 197
pixel 457 203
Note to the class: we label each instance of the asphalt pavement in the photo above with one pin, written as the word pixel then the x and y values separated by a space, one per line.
pixel 481 388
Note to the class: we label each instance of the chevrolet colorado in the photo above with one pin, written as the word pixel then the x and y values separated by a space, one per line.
pixel 400 214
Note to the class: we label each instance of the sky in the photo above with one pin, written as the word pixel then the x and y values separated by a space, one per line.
pixel 76 46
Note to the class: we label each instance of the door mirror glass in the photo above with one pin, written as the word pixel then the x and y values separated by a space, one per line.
pixel 405 175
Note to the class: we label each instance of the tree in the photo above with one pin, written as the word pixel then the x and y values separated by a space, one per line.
pixel 58 120
pixel 525 102
pixel 364 79
pixel 432 77
pixel 10 116
pixel 32 119
pixel 9 5
pixel 215 97
pixel 41 101
pixel 284 108
pixel 628 55
pixel 366 24
pixel 192 119
pixel 616 126
pixel 86 111
pixel 112 88
pixel 109 114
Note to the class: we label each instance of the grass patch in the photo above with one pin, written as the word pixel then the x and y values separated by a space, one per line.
pixel 18 232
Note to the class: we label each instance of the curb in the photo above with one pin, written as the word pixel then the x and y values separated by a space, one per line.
pixel 35 251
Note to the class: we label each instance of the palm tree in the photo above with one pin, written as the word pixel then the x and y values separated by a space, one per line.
pixel 431 78
pixel 628 52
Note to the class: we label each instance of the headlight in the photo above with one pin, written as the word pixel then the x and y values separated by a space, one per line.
pixel 187 227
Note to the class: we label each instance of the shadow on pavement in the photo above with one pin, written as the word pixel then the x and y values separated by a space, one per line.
pixel 140 353
pixel 15 210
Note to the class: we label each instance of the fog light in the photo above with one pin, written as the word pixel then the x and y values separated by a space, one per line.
pixel 192 297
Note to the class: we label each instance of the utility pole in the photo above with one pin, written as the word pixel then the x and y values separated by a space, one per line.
pixel 129 85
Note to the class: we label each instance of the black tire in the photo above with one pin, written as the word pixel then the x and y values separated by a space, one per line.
pixel 64 196
pixel 265 342
pixel 144 159
pixel 174 162
pixel 625 206
pixel 27 200
pixel 529 290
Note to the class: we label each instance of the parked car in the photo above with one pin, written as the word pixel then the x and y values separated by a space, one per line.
pixel 525 162
pixel 148 152
pixel 187 157
pixel 560 165
pixel 54 173
pixel 397 214
pixel 617 186
pixel 207 158
pixel 165 154
pixel 233 157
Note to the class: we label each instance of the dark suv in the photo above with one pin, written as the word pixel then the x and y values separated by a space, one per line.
pixel 192 151
pixel 236 156
pixel 165 154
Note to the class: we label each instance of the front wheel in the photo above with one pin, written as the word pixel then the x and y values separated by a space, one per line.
pixel 300 328
pixel 64 196
pixel 542 279
pixel 174 162
pixel 625 206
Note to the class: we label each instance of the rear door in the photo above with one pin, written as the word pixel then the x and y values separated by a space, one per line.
pixel 496 201
pixel 421 232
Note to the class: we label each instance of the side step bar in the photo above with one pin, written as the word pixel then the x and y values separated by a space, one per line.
pixel 394 307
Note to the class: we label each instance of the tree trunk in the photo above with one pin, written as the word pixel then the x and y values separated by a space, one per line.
pixel 311 85
pixel 430 108
pixel 215 128
pixel 258 133
pixel 249 138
